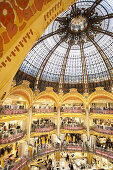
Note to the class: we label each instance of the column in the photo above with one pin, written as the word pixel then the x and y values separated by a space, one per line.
pixel 57 156
pixel 87 122
pixel 89 158
pixel 29 123
pixel 58 122
pixel 2 163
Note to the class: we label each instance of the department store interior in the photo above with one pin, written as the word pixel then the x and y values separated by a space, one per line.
pixel 57 112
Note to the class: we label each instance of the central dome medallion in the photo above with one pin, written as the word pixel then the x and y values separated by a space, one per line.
pixel 78 23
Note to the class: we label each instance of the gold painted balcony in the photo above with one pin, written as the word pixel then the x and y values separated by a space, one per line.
pixel 100 116
pixel 44 115
pixel 12 139
pixel 103 132
pixel 7 118
pixel 74 129
pixel 81 115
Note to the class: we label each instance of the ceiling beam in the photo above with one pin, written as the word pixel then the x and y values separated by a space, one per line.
pixel 102 31
pixel 84 69
pixel 73 10
pixel 42 66
pixel 63 19
pixel 101 18
pixel 103 55
pixel 47 36
pixel 89 10
pixel 63 68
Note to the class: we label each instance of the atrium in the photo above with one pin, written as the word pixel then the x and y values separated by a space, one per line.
pixel 56 87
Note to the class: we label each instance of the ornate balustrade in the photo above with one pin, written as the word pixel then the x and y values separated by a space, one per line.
pixel 13 111
pixel 43 129
pixel 44 110
pixel 104 131
pixel 20 163
pixel 103 111
pixel 72 110
pixel 73 127
pixel 12 138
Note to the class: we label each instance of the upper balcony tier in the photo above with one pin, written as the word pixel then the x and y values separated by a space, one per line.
pixel 102 111
pixel 103 130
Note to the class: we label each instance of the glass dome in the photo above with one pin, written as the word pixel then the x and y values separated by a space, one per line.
pixel 81 49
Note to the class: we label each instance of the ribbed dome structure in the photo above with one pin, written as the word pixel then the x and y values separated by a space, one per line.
pixel 77 47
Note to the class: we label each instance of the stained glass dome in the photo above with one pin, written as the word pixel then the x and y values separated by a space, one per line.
pixel 77 47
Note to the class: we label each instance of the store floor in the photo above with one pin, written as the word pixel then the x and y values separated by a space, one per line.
pixel 62 165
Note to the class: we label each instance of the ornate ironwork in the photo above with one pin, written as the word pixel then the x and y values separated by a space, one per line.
pixel 40 71
pixel 89 10
pixel 47 36
pixel 84 70
pixel 101 18
pixel 62 73
pixel 103 55
pixel 78 25
pixel 98 29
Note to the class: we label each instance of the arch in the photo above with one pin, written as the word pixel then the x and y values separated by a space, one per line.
pixel 99 94
pixel 24 91
pixel 48 95
pixel 74 96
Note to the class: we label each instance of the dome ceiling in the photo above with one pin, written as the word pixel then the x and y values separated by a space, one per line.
pixel 77 47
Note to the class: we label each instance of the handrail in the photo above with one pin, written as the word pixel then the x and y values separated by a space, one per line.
pixel 72 110
pixel 70 147
pixel 43 129
pixel 102 111
pixel 100 130
pixel 12 111
pixel 12 138
pixel 44 110
pixel 77 127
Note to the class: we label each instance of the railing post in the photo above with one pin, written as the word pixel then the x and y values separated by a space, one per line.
pixel 29 123
pixel 87 122
pixel 58 121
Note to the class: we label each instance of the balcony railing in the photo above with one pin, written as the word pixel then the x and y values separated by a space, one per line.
pixel 44 110
pixel 12 138
pixel 22 162
pixel 72 110
pixel 103 111
pixel 13 111
pixel 70 147
pixel 43 129
pixel 105 130
pixel 78 127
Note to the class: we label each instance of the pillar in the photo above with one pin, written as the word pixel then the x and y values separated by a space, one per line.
pixel 58 122
pixel 2 163
pixel 29 124
pixel 89 158
pixel 57 156
pixel 87 122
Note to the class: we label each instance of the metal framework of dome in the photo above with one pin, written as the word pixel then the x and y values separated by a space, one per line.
pixel 77 47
